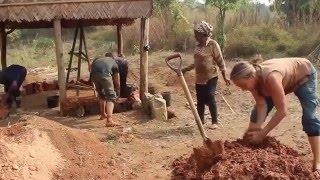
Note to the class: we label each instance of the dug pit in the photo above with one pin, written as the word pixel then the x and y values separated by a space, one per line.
pixel 271 160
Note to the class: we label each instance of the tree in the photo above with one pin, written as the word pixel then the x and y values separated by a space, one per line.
pixel 191 3
pixel 223 6
pixel 297 11
pixel 176 24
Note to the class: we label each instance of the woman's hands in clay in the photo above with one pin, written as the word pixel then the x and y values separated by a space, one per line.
pixel 255 137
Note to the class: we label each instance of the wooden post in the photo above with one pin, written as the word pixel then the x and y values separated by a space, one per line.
pixel 60 62
pixel 120 39
pixel 3 37
pixel 144 58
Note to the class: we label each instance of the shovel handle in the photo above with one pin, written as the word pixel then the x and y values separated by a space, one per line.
pixel 175 69
pixel 193 108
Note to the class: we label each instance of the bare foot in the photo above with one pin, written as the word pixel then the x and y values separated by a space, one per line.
pixel 110 122
pixel 102 117
pixel 213 126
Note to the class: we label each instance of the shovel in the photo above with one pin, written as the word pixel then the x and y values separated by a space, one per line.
pixel 176 67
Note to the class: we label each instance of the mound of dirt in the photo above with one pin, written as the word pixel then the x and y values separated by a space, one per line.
pixel 271 160
pixel 27 154
pixel 38 148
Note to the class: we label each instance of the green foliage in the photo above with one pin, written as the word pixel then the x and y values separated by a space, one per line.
pixel 160 5
pixel 191 3
pixel 247 41
pixel 135 49
pixel 43 43
pixel 14 36
pixel 108 34
pixel 271 41
pixel 297 11
pixel 181 28
pixel 306 40
pixel 222 4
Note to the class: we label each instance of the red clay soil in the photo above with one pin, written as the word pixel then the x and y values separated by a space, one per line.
pixel 42 149
pixel 271 160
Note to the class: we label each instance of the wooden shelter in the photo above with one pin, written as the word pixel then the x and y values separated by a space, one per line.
pixel 58 14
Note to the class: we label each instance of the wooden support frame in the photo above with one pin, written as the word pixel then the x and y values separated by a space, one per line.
pixel 60 62
pixel 3 39
pixel 120 40
pixel 82 54
pixel 71 54
pixel 144 42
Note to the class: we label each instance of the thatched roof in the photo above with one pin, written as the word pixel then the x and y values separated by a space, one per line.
pixel 41 13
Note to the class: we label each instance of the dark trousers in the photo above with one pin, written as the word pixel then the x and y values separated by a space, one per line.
pixel 123 71
pixel 12 96
pixel 206 96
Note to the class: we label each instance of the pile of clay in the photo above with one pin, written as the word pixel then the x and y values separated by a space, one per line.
pixel 241 160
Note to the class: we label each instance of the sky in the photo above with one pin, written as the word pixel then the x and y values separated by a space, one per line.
pixel 266 2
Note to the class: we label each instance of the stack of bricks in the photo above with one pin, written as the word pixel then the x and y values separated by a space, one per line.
pixel 4 111
pixel 38 87
pixel 90 105
pixel 71 104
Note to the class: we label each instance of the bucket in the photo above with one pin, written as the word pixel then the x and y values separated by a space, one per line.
pixel 167 96
pixel 53 101
pixel 129 89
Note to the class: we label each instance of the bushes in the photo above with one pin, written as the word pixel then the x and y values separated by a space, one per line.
pixel 267 40
pixel 271 41
pixel 42 43
pixel 307 38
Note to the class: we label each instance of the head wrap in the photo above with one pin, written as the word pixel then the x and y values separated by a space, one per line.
pixel 203 28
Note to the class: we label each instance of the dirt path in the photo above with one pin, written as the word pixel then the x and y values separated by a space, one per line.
pixel 145 149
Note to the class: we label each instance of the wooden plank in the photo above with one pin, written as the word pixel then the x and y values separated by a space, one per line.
pixel 144 58
pixel 120 39
pixel 3 37
pixel 60 62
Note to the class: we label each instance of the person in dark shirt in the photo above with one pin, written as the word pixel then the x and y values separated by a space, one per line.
pixel 123 72
pixel 12 78
pixel 105 76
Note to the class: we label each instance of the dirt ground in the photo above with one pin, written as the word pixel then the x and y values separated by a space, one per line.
pixel 142 148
